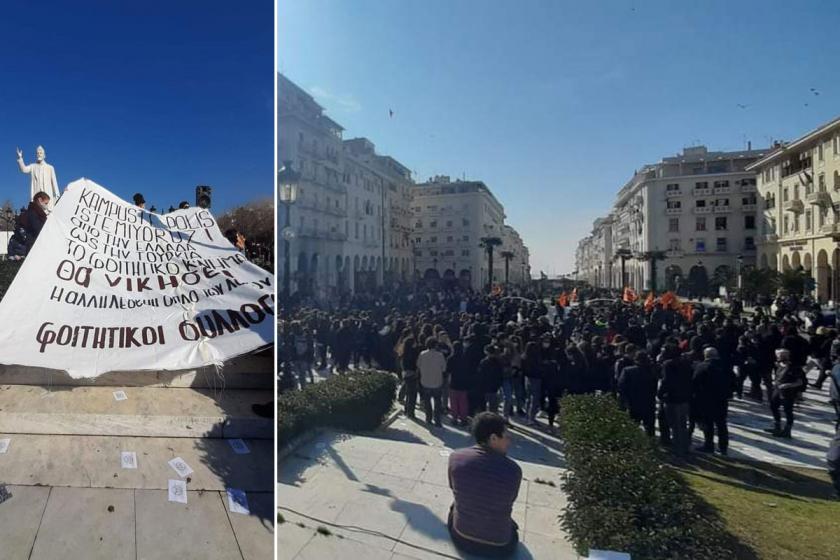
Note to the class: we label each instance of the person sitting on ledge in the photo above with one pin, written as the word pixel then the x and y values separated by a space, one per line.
pixel 485 483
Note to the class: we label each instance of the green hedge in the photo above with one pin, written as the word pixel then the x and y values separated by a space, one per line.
pixel 622 497
pixel 8 271
pixel 357 401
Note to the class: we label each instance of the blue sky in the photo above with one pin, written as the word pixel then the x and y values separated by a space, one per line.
pixel 555 103
pixel 152 96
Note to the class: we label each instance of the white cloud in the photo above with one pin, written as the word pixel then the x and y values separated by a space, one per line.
pixel 339 102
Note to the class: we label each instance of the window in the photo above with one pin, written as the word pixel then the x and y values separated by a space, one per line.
pixel 673 224
pixel 433 239
pixel 701 224
pixel 449 239
pixel 700 203
pixel 700 245
pixel 433 223
pixel 749 222
pixel 787 224
pixel 836 144
pixel 701 185
pixel 720 223
pixel 722 202
pixel 466 238
pixel 465 222
pixel 821 182
pixel 808 220
pixel 672 187
pixel 752 199
pixel 674 204
pixel 465 252
pixel 721 244
pixel 674 245
pixel 785 194
pixel 418 240
pixel 721 184
pixel 418 224
pixel 820 152
pixel 448 223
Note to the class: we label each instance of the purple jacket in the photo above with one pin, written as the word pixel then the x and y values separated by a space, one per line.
pixel 485 484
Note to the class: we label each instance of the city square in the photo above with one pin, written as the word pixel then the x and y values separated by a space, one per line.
pixel 583 309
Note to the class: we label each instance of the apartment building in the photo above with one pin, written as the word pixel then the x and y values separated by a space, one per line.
pixel 685 223
pixel 799 202
pixel 450 219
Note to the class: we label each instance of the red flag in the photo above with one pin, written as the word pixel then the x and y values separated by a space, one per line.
pixel 649 302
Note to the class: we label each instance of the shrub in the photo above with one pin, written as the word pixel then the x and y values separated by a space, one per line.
pixel 8 271
pixel 356 401
pixel 620 494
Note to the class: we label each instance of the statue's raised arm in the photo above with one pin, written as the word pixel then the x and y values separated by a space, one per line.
pixel 23 167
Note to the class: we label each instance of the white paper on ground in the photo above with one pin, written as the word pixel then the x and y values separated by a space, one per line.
pixel 120 396
pixel 238 501
pixel 128 459
pixel 4 445
pixel 239 446
pixel 178 491
pixel 607 555
pixel 181 467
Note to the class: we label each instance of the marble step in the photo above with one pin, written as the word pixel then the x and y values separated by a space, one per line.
pixel 94 462
pixel 251 371
pixel 146 411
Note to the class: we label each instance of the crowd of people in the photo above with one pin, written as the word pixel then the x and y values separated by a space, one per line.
pixel 459 353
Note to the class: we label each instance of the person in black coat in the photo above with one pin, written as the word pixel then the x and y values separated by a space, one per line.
pixel 675 395
pixel 712 387
pixel 787 383
pixel 637 387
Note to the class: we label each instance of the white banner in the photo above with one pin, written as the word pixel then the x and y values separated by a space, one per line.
pixel 109 287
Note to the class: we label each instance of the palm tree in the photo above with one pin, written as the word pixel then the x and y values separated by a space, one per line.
pixel 489 243
pixel 507 255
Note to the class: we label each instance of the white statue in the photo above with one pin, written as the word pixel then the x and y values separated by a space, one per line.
pixel 42 173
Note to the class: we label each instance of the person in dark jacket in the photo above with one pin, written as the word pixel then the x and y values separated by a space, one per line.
pixel 490 371
pixel 411 377
pixel 458 385
pixel 833 460
pixel 712 387
pixel 787 383
pixel 637 387
pixel 35 217
pixel 675 395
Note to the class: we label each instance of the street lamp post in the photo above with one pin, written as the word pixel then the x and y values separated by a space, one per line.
pixel 287 184
pixel 739 267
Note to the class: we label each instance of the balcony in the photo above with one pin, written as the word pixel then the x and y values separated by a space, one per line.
pixel 702 191
pixel 673 194
pixel 722 190
pixel 830 229
pixel 702 209
pixel 749 207
pixel 748 188
pixel 673 211
pixel 675 253
pixel 723 209
pixel 819 198
pixel 796 206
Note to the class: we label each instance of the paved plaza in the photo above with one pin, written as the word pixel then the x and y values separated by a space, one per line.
pixel 389 494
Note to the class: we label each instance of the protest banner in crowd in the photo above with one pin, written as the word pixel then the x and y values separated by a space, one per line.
pixel 110 286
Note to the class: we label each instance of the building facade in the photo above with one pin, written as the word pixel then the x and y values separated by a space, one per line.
pixel 799 206
pixel 687 223
pixel 449 220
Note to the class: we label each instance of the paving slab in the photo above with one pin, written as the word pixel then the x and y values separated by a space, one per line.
pixel 87 524
pixel 94 461
pixel 148 412
pixel 395 483
pixel 20 516
pixel 255 532
pixel 197 530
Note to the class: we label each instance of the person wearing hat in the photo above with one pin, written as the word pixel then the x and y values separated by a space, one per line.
pixel 139 201
pixel 787 382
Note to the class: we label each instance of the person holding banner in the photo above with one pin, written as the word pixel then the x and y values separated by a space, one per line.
pixel 34 218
